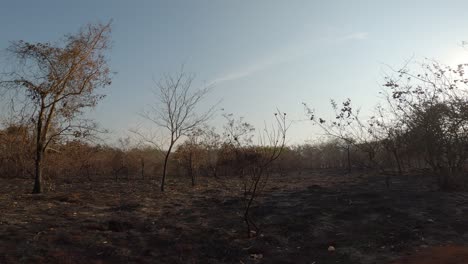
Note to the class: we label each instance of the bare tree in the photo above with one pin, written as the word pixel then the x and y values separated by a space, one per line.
pixel 254 161
pixel 351 128
pixel 175 110
pixel 363 134
pixel 57 82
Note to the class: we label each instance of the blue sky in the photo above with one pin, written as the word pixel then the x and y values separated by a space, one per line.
pixel 259 55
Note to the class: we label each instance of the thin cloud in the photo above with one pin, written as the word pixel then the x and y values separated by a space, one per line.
pixel 246 71
pixel 288 54
pixel 260 65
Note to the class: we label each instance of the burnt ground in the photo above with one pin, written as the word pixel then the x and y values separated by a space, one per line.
pixel 300 216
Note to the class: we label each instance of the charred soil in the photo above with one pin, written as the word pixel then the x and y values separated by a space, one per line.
pixel 300 216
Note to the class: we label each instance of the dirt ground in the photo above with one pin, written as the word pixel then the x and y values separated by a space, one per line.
pixel 300 216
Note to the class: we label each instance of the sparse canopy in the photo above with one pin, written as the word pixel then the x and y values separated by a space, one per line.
pixel 56 82
pixel 175 109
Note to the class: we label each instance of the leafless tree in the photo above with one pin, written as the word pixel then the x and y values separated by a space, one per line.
pixel 367 135
pixel 175 110
pixel 254 161
pixel 351 128
pixel 57 82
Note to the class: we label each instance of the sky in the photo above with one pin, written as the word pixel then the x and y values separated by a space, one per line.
pixel 259 56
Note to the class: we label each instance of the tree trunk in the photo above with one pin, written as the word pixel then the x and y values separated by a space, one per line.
pixel 253 194
pixel 142 168
pixel 398 162
pixel 191 169
pixel 349 159
pixel 38 186
pixel 166 158
pixel 192 176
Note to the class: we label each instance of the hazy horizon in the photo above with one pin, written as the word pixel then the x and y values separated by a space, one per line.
pixel 258 56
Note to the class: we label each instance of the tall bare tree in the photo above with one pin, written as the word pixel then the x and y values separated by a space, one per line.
pixel 57 82
pixel 175 109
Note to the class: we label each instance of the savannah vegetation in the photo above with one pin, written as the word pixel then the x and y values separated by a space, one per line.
pixel 376 186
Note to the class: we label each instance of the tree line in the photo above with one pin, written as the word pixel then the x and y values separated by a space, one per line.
pixel 421 123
